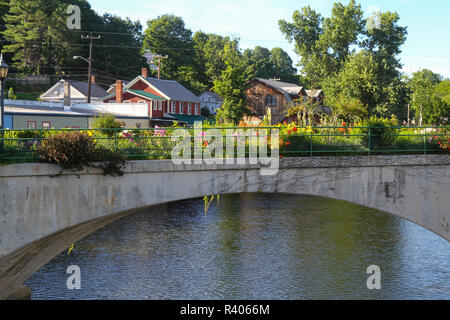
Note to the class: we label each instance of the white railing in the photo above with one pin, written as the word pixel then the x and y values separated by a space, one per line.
pixel 132 109
pixel 33 103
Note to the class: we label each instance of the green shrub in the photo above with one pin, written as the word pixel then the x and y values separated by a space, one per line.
pixel 382 132
pixel 71 149
pixel 75 150
pixel 109 125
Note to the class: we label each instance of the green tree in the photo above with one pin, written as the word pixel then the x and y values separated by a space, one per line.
pixel 231 87
pixel 358 79
pixel 268 64
pixel 424 102
pixel 442 91
pixel 324 43
pixel 328 48
pixel 283 66
pixel 4 8
pixel 167 35
pixel 212 51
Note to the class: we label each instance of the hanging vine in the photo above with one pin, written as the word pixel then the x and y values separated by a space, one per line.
pixel 208 202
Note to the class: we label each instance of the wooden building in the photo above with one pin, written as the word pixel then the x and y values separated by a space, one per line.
pixel 276 95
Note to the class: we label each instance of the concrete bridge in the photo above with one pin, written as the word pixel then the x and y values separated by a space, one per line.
pixel 44 211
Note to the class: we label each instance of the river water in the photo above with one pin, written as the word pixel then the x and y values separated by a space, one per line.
pixel 253 246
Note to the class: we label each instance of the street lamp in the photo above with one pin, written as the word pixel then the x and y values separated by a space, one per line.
pixel 3 75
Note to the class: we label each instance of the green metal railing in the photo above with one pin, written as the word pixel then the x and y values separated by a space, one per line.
pixel 136 144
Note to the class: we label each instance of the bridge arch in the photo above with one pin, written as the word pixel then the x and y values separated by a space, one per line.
pixel 44 211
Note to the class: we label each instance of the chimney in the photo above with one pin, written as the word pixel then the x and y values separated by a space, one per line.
pixel 144 72
pixel 119 91
pixel 93 79
pixel 66 94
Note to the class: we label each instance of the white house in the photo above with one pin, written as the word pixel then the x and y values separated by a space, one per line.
pixel 74 92
pixel 211 100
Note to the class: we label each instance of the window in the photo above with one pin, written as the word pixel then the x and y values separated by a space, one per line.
pixel 197 111
pixel 31 125
pixel 160 105
pixel 173 107
pixel 46 124
pixel 189 109
pixel 155 105
pixel 142 101
pixel 138 125
pixel 271 101
pixel 127 101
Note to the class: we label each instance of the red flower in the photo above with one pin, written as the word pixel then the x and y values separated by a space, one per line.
pixel 206 143
pixel 288 144
pixel 281 157
pixel 344 124
pixel 294 129
pixel 289 132
pixel 284 122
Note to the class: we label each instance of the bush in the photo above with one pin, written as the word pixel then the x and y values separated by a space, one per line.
pixel 382 132
pixel 71 149
pixel 109 125
pixel 75 150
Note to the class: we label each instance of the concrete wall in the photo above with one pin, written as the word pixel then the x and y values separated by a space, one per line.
pixel 43 213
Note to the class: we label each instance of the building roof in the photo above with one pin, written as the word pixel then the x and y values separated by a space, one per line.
pixel 42 111
pixel 112 87
pixel 173 90
pixel 314 93
pixel 96 90
pixel 212 94
pixel 290 88
pixel 145 94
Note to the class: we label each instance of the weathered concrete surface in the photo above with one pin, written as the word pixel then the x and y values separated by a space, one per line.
pixel 42 213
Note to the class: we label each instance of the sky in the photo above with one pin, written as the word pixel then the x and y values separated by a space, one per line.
pixel 255 22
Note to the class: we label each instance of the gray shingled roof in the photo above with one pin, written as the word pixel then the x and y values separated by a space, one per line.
pixel 174 90
pixel 212 94
pixel 290 88
pixel 96 90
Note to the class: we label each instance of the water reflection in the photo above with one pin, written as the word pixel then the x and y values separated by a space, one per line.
pixel 253 246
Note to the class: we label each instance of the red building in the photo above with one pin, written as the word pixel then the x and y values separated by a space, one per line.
pixel 167 99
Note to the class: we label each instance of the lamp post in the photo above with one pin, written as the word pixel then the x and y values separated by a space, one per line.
pixel 3 75
pixel 89 61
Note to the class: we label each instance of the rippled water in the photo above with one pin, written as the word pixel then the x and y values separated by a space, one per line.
pixel 253 246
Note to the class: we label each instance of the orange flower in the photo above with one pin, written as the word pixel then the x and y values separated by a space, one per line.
pixel 206 143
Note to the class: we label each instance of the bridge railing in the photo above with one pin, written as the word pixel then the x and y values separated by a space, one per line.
pixel 158 143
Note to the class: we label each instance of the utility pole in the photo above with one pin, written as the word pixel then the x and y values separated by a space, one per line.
pixel 408 115
pixel 91 41
pixel 159 63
